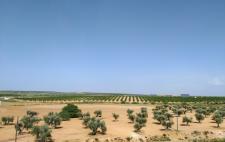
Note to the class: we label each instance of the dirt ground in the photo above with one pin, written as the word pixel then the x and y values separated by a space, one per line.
pixel 74 131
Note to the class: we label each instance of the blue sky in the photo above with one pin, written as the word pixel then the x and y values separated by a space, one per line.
pixel 128 46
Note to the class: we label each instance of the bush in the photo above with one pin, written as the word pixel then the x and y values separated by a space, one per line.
pixel 115 116
pixel 164 137
pixel 7 120
pixel 65 116
pixel 72 110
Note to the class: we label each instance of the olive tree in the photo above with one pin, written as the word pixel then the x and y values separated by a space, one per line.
pixel 187 120
pixel 94 124
pixel 129 112
pixel 98 113
pixel 131 117
pixel 115 116
pixel 218 118
pixel 42 133
pixel 167 123
pixel 140 122
pixel 199 117
pixel 28 122
pixel 53 119
pixel 6 120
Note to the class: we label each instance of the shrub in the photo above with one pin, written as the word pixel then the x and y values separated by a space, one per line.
pixel 98 113
pixel 53 119
pixel 164 137
pixel 187 120
pixel 7 120
pixel 42 133
pixel 65 116
pixel 115 116
pixel 73 110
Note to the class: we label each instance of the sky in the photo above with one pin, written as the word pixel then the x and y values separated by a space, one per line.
pixel 121 46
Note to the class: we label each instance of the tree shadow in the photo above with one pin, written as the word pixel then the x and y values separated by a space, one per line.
pixel 165 130
pixel 215 127
pixel 156 123
pixel 185 125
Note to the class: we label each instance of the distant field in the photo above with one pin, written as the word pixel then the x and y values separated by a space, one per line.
pixel 106 97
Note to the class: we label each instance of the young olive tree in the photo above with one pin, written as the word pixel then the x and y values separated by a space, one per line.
pixel 98 113
pixel 115 116
pixel 129 112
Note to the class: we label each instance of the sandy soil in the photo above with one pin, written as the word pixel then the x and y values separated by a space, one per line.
pixel 74 131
